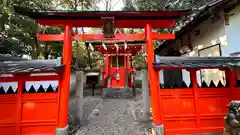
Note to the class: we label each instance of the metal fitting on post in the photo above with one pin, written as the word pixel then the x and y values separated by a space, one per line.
pixel 158 129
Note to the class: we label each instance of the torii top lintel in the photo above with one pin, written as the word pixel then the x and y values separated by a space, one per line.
pixel 122 19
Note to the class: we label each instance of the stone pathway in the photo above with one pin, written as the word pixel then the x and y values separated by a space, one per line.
pixel 112 117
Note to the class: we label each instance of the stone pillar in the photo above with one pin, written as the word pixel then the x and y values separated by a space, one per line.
pixel 79 94
pixel 159 130
pixel 145 94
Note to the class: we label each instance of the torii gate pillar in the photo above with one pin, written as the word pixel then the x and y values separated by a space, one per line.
pixel 65 82
pixel 153 81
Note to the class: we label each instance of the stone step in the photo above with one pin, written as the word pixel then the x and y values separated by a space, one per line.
pixel 117 93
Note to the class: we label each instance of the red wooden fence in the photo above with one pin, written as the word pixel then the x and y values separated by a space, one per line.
pixel 196 109
pixel 29 112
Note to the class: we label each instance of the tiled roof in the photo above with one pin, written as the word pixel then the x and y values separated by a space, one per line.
pixel 198 62
pixel 29 66
pixel 4 57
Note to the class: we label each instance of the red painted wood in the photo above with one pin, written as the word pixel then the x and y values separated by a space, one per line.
pixel 21 85
pixel 163 36
pixel 8 79
pixel 180 115
pixel 50 37
pixel 193 76
pixel 65 80
pixel 153 77
pixel 118 23
pixel 196 110
pixel 194 130
pixel 111 49
pixel 231 77
pixel 121 15
pixel 29 113
pixel 118 37
pixel 117 83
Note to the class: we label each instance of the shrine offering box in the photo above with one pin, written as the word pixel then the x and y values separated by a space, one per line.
pixel 92 78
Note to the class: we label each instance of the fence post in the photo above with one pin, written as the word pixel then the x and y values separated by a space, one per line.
pixel 20 87
pixel 79 93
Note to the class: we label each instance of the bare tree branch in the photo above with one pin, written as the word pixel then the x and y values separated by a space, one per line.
pixel 106 5
pixel 110 5
pixel 104 2
pixel 115 4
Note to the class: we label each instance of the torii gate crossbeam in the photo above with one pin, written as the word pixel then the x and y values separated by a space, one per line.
pixel 120 37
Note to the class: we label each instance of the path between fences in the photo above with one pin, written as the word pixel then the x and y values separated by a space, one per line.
pixel 112 117
pixel 105 116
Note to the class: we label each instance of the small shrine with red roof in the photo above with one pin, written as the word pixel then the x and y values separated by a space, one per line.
pixel 118 72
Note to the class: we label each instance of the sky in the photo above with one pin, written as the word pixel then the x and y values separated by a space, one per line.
pixel 117 6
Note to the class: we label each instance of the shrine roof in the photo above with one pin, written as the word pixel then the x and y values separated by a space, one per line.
pixel 122 19
pixel 107 43
pixel 29 66
pixel 197 62
pixel 132 49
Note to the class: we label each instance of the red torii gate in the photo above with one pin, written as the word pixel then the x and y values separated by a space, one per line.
pixel 145 19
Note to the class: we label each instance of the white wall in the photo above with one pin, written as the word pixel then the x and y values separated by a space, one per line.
pixel 211 33
pixel 160 73
pixel 233 32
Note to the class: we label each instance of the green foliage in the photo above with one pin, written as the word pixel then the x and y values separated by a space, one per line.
pixel 18 33
pixel 139 60
pixel 158 5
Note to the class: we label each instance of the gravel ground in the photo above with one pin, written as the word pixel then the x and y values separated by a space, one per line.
pixel 112 117
pixel 89 104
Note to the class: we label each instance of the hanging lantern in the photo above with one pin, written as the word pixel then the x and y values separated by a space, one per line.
pixel 117 76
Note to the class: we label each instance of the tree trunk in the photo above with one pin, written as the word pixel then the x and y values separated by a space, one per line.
pixel 77 51
pixel 46 54
pixel 89 57
pixel 37 50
